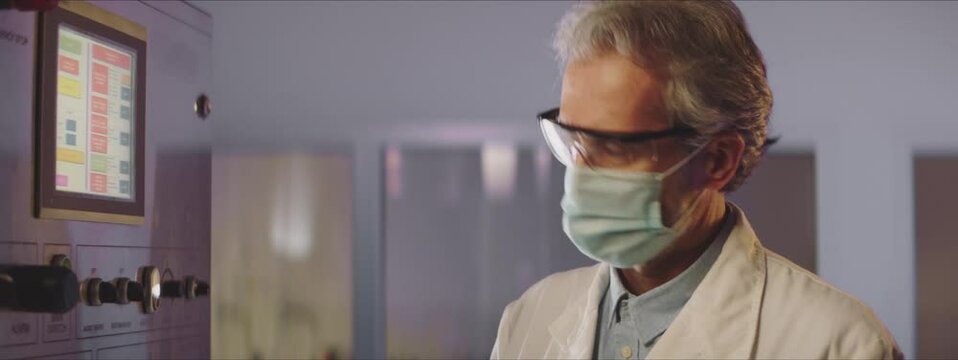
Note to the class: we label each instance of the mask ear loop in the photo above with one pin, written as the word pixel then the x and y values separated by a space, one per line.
pixel 682 162
pixel 682 221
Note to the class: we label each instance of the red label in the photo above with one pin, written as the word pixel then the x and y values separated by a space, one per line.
pixel 100 78
pixel 99 104
pixel 111 57
pixel 98 183
pixel 68 65
pixel 98 120
pixel 62 180
pixel 98 143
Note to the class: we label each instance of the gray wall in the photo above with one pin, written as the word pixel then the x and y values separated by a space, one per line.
pixel 862 84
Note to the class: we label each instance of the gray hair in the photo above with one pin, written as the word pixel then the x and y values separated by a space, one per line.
pixel 715 74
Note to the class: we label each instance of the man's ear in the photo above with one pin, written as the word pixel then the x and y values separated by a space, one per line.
pixel 724 155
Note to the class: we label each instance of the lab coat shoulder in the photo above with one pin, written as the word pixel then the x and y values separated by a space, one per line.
pixel 533 312
pixel 804 316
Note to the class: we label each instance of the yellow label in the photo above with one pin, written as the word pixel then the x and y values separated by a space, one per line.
pixel 68 86
pixel 68 155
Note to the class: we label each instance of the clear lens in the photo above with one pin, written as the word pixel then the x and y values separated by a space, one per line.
pixel 572 147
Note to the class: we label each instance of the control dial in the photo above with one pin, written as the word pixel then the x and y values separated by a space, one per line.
pixel 128 290
pixel 195 287
pixel 173 289
pixel 35 288
pixel 150 283
pixel 97 292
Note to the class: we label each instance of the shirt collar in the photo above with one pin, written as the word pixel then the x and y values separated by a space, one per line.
pixel 653 311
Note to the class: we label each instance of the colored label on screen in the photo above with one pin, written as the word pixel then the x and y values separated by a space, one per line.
pixel 111 57
pixel 98 183
pixel 63 180
pixel 98 120
pixel 101 77
pixel 68 86
pixel 98 143
pixel 98 163
pixel 99 124
pixel 70 44
pixel 70 156
pixel 99 104
pixel 69 65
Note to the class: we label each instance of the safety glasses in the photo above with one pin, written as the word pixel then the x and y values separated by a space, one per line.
pixel 600 149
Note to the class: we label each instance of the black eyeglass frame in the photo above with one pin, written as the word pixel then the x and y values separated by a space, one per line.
pixel 552 115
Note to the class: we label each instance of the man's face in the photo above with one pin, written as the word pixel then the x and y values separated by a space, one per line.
pixel 611 93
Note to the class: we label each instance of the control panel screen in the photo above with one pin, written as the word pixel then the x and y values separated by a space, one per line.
pixel 91 117
pixel 95 86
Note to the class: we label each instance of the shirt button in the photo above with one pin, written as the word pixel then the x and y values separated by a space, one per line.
pixel 626 352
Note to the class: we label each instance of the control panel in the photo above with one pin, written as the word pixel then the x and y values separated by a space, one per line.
pixel 75 284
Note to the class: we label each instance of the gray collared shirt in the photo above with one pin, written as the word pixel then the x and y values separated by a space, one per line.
pixel 630 325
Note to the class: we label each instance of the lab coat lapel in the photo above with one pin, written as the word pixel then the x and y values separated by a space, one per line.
pixel 721 318
pixel 574 329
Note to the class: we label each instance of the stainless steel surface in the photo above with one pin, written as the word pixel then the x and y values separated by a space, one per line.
pixel 175 237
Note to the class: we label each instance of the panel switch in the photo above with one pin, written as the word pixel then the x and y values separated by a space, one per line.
pixel 97 292
pixel 128 290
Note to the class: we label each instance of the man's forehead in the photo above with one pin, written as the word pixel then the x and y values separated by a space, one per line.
pixel 612 93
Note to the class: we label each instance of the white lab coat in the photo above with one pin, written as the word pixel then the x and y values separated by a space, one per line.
pixel 753 303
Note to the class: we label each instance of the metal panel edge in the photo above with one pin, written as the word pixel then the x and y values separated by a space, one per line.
pixel 184 12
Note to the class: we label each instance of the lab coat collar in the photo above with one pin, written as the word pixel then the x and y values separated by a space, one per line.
pixel 721 318
pixel 574 329
pixel 719 321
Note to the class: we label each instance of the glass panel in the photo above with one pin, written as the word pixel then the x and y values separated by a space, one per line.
pixel 282 267
pixel 779 201
pixel 467 231
pixel 936 203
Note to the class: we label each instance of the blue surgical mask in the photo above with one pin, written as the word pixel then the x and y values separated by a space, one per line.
pixel 615 216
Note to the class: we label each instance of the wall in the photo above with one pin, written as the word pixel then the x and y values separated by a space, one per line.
pixel 863 84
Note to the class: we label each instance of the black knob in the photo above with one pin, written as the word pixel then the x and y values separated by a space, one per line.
pixel 127 290
pixel 203 106
pixel 195 287
pixel 34 288
pixel 108 293
pixel 172 289
pixel 97 292
pixel 202 288
pixel 134 291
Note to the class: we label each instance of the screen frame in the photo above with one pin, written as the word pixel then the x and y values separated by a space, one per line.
pixel 50 202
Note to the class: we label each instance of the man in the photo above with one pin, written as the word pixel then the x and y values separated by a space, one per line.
pixel 664 110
